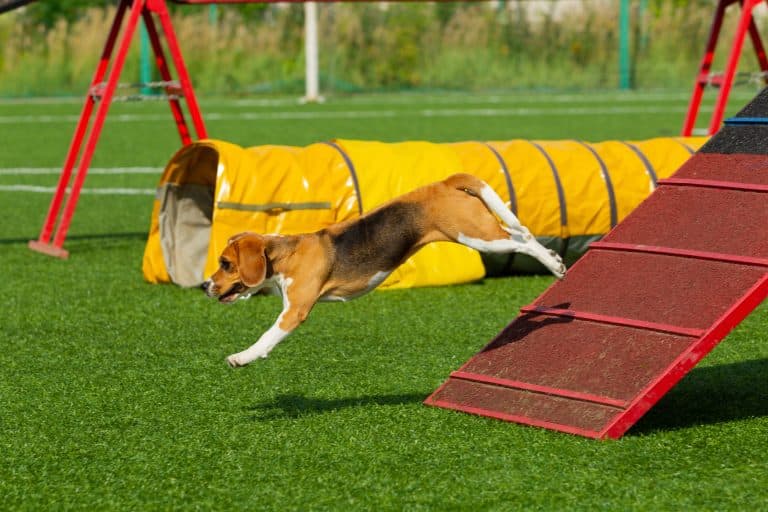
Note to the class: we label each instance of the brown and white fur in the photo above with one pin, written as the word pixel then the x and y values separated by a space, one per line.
pixel 349 259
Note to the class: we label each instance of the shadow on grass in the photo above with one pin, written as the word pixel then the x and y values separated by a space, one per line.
pixel 710 395
pixel 706 396
pixel 291 406
pixel 74 238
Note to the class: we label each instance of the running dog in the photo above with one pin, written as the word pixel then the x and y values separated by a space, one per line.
pixel 349 259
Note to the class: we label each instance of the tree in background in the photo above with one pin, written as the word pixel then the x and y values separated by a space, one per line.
pixel 47 14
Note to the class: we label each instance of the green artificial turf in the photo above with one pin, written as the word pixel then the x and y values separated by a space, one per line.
pixel 114 393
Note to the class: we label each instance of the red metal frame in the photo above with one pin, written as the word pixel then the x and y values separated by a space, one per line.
pixel 84 141
pixel 725 82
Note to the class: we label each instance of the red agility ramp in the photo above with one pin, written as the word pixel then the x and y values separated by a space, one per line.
pixel 643 306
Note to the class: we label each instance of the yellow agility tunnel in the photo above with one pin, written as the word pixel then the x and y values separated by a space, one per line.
pixel 568 193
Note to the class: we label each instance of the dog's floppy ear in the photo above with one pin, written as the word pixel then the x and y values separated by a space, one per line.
pixel 251 259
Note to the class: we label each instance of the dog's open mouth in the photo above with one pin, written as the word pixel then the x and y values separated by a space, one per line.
pixel 232 294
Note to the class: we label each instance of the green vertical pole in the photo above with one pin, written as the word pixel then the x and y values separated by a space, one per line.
pixel 624 62
pixel 641 16
pixel 213 14
pixel 145 68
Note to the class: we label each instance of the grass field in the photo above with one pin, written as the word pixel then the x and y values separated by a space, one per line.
pixel 114 393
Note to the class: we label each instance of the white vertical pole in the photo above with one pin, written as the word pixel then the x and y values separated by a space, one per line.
pixel 312 82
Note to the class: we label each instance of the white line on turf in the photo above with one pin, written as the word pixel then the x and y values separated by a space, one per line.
pixel 368 114
pixel 25 171
pixel 94 191
pixel 422 98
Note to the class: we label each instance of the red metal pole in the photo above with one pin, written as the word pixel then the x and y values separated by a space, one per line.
pixel 101 114
pixel 733 62
pixel 757 43
pixel 165 74
pixel 42 244
pixel 178 60
pixel 704 69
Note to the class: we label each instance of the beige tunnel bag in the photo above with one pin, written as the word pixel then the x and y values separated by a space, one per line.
pixel 568 193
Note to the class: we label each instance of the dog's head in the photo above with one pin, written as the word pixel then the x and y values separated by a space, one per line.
pixel 242 266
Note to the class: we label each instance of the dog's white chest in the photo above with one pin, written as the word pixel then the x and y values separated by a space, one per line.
pixel 274 285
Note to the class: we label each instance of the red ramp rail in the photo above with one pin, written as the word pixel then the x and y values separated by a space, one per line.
pixel 598 349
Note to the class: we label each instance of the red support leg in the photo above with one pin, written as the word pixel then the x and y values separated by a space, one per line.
pixel 757 44
pixel 746 25
pixel 181 69
pixel 705 67
pixel 42 244
pixel 104 94
pixel 98 123
pixel 165 74
pixel 733 63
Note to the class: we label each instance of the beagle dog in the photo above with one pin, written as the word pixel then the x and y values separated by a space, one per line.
pixel 351 258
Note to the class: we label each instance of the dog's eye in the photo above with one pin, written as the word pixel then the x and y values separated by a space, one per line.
pixel 225 265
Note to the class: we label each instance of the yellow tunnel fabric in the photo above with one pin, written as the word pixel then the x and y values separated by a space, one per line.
pixel 567 192
pixel 385 171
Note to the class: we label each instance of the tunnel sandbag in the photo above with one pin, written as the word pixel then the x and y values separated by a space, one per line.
pixel 569 193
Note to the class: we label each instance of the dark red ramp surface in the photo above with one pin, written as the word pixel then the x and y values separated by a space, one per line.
pixel 598 349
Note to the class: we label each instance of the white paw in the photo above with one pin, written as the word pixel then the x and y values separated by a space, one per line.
pixel 234 361
pixel 244 358
pixel 558 268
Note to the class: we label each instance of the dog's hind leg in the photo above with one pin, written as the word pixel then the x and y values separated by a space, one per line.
pixel 518 243
pixel 520 238
pixel 494 203
pixel 476 187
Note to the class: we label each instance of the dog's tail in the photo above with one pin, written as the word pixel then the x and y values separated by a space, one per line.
pixel 476 187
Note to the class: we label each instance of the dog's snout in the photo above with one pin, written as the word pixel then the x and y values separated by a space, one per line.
pixel 207 287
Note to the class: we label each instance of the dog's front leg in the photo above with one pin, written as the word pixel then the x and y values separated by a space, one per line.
pixel 261 348
pixel 288 320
